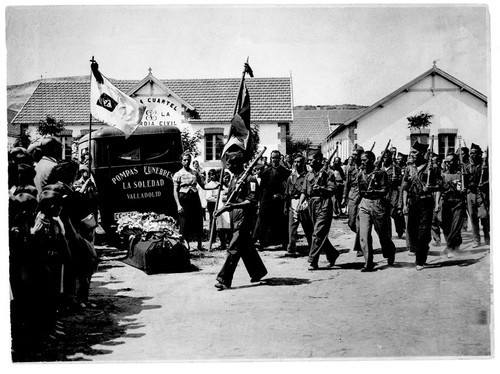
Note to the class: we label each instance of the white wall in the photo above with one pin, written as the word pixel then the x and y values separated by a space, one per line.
pixel 451 109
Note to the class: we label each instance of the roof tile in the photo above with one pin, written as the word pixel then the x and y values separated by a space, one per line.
pixel 214 99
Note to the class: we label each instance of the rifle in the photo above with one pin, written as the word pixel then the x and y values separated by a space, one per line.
pixel 486 202
pixel 429 162
pixel 373 146
pixel 380 163
pixel 325 168
pixel 485 163
pixel 461 165
pixel 245 175
pixel 394 165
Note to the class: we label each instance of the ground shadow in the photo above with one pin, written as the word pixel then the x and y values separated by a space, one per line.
pixel 351 265
pixel 275 281
pixel 454 262
pixel 110 318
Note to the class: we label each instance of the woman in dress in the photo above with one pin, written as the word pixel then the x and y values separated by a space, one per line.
pixel 188 200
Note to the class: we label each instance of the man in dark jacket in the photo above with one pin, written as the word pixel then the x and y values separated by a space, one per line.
pixel 477 183
pixel 273 228
pixel 418 202
pixel 242 214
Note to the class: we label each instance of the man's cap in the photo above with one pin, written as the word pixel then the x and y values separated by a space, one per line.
pixel 297 155
pixel 419 147
pixel 315 153
pixel 475 146
pixel 235 156
pixel 358 148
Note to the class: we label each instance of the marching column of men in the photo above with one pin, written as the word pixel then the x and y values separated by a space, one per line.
pixel 420 196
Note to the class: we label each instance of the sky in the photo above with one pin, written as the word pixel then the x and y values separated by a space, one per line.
pixel 335 54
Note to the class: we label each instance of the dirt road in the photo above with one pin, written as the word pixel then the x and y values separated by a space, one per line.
pixel 443 310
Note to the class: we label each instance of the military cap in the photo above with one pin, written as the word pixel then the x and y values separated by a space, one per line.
pixel 419 147
pixel 235 156
pixel 358 148
pixel 475 146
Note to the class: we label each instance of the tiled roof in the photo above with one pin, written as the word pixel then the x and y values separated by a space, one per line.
pixel 10 115
pixel 309 125
pixel 13 130
pixel 214 99
pixel 340 116
pixel 313 124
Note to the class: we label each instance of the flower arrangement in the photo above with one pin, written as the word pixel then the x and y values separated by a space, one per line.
pixel 147 224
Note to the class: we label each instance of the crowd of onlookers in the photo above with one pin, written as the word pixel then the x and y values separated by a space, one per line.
pixel 52 220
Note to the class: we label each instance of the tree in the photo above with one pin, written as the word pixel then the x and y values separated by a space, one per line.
pixel 419 121
pixel 296 146
pixel 254 139
pixel 50 126
pixel 23 139
pixel 190 141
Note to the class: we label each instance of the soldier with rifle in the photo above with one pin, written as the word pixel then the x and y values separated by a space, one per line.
pixel 351 196
pixel 419 182
pixel 319 186
pixel 452 204
pixel 373 186
pixel 394 174
pixel 241 205
pixel 477 184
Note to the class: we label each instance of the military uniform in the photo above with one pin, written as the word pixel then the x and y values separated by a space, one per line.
pixel 352 198
pixel 452 209
pixel 321 212
pixel 241 245
pixel 374 212
pixel 478 200
pixel 394 190
pixel 293 190
pixel 420 204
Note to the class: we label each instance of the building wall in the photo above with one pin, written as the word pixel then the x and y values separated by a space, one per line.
pixel 269 136
pixel 343 143
pixel 452 109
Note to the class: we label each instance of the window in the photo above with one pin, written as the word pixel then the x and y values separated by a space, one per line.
pixel 67 147
pixel 446 144
pixel 214 143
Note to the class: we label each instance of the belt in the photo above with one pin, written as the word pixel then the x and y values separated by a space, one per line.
pixel 425 196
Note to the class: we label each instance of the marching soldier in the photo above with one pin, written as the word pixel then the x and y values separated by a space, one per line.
pixel 452 205
pixel 319 186
pixel 465 161
pixel 242 213
pixel 418 203
pixel 294 188
pixel 476 179
pixel 351 196
pixel 373 184
pixel 435 227
pixel 394 174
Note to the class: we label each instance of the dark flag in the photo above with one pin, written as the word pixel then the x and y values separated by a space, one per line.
pixel 239 133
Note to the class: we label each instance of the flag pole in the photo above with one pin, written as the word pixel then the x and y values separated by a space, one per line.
pixel 90 126
pixel 238 101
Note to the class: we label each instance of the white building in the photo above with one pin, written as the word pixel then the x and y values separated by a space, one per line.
pixel 459 112
pixel 197 104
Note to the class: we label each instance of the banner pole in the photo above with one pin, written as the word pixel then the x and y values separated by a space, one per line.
pixel 238 100
pixel 90 126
